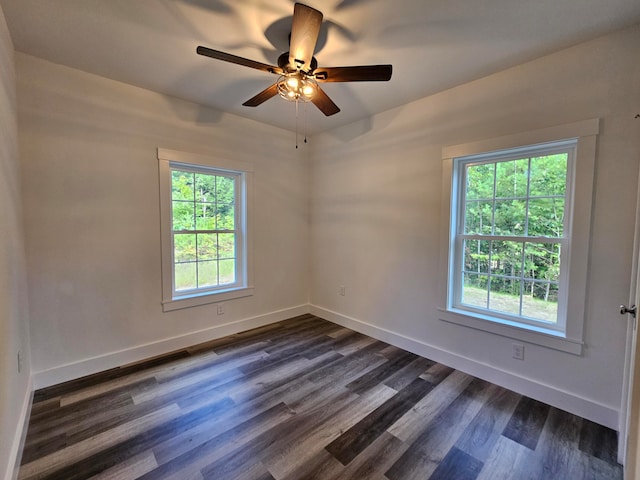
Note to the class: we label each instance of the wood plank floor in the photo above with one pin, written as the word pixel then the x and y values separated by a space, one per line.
pixel 299 400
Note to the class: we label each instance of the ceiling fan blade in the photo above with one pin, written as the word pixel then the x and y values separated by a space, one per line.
pixel 227 57
pixel 304 35
pixel 324 103
pixel 263 96
pixel 364 73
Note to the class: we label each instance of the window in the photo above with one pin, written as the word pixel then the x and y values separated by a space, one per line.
pixel 510 233
pixel 204 229
pixel 517 214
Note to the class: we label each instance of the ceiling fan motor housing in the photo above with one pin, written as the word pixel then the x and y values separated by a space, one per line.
pixel 283 63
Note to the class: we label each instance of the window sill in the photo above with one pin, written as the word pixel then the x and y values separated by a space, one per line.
pixel 195 300
pixel 530 334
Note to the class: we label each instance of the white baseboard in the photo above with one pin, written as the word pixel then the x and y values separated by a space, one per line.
pixel 553 396
pixel 15 452
pixel 100 363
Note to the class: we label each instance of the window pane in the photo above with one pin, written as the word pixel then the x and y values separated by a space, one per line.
pixel 506 259
pixel 505 295
pixel 511 178
pixel 540 301
pixel 225 189
pixel 474 290
pixel 227 271
pixel 480 181
pixel 181 185
pixel 205 188
pixel 510 217
pixel 542 261
pixel 225 217
pixel 182 215
pixel 546 217
pixel 478 217
pixel 548 175
pixel 205 216
pixel 476 256
pixel 184 247
pixel 185 276
pixel 226 245
pixel 207 246
pixel 548 292
pixel 208 274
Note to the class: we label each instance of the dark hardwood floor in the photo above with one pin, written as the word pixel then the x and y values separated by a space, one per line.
pixel 299 400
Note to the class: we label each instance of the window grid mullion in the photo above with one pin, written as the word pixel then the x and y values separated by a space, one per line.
pixel 514 238
pixel 526 206
pixel 217 256
pixel 493 200
pixel 489 273
pixel 203 231
pixel 493 232
pixel 197 264
pixel 522 250
pixel 215 199
pixel 195 225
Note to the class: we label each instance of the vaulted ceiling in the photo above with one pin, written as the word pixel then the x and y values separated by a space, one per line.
pixel 432 44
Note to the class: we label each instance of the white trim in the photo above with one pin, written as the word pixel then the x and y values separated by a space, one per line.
pixel 531 334
pixel 200 159
pixel 583 184
pixel 584 128
pixel 583 407
pixel 580 187
pixel 15 452
pixel 205 298
pixel 245 188
pixel 100 363
pixel 164 177
pixel 630 349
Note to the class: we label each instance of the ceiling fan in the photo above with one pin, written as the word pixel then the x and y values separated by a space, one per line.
pixel 298 69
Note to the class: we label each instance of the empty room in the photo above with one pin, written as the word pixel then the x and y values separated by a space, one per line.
pixel 345 239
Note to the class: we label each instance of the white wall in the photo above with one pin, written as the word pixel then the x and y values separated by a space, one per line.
pixel 91 199
pixel 15 389
pixel 376 208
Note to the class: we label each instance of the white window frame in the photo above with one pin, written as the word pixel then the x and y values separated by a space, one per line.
pixel 568 335
pixel 243 287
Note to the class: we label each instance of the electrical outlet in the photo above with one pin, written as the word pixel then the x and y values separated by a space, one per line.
pixel 343 291
pixel 220 308
pixel 518 351
pixel 19 361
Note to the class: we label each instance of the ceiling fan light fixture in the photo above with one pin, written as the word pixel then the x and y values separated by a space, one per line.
pixel 293 83
pixel 308 90
pixel 297 86
pixel 298 68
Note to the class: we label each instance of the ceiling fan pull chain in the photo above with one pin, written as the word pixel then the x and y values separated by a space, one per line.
pixel 296 123
pixel 305 122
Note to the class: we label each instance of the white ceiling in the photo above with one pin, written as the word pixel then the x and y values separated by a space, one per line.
pixel 432 44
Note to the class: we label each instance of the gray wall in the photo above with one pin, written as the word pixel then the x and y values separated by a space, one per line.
pixel 14 328
pixel 376 217
pixel 92 219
